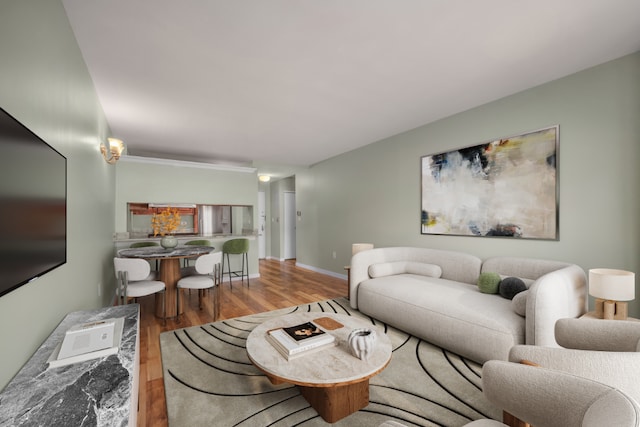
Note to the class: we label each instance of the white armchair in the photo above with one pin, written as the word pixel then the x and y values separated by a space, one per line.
pixel 607 351
pixel 548 398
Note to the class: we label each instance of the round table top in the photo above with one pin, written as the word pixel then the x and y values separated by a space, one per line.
pixel 153 252
pixel 329 366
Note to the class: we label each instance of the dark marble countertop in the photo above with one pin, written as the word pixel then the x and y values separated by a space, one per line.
pixel 98 392
pixel 159 252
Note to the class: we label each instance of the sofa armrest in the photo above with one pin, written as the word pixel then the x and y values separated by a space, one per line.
pixel 596 334
pixel 618 369
pixel 556 295
pixel 359 270
pixel 546 397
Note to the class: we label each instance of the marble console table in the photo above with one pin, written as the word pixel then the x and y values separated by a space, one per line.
pixel 99 392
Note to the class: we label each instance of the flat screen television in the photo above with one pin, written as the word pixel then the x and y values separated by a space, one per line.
pixel 33 205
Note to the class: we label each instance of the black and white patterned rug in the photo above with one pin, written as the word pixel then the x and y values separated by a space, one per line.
pixel 209 380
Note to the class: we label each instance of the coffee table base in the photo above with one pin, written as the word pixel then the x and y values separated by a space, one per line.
pixel 335 402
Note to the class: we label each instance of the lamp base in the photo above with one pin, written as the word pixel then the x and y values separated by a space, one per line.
pixel 611 310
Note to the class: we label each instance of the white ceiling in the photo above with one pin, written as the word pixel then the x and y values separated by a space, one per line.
pixel 299 81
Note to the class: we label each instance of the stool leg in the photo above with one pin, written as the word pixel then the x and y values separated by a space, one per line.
pixel 242 271
pixel 229 268
pixel 245 256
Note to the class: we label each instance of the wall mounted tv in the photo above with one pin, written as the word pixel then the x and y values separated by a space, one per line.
pixel 33 205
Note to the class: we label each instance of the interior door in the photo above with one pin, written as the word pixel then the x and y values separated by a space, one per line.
pixel 289 225
pixel 262 226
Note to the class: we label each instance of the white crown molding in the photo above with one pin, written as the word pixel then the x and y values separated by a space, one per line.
pixel 186 164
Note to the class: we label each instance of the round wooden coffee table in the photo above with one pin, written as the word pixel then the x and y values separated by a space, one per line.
pixel 334 382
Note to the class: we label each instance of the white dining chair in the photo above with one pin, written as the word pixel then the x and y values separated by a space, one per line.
pixel 132 275
pixel 207 276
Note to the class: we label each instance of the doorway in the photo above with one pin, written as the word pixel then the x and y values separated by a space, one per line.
pixel 289 225
pixel 262 226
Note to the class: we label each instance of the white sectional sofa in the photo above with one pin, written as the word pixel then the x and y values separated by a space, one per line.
pixel 433 295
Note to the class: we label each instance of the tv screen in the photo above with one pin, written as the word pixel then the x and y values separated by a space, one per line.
pixel 33 205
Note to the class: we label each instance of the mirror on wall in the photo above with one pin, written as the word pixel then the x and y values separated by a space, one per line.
pixel 195 219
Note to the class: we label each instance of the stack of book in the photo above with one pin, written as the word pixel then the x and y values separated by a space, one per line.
pixel 298 340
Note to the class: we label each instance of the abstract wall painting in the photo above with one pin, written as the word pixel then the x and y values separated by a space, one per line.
pixel 503 188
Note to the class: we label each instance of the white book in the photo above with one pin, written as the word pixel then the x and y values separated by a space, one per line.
pixel 88 341
pixel 289 348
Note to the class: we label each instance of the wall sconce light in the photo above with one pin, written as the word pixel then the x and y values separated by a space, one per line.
pixel 264 178
pixel 113 152
pixel 610 287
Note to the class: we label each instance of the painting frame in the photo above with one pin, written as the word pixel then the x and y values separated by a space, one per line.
pixel 507 187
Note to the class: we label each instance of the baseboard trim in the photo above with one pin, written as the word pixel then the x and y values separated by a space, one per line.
pixel 321 270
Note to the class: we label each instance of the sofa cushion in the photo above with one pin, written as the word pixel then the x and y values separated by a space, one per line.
pixel 401 267
pixel 488 282
pixel 510 287
pixel 452 315
pixel 527 282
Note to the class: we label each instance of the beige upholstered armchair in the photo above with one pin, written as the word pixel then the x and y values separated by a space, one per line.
pixel 549 398
pixel 607 351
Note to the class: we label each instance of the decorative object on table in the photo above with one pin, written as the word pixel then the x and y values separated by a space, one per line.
pixel 610 287
pixel 506 187
pixel 294 341
pixel 362 342
pixel 169 242
pixel 328 323
pixel 165 224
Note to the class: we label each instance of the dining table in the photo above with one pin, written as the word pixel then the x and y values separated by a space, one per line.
pixel 169 270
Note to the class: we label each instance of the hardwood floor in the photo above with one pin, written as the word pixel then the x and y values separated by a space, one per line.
pixel 281 285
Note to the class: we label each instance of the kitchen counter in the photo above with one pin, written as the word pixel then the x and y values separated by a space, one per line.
pixel 182 239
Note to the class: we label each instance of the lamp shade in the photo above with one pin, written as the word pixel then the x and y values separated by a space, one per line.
pixel 359 247
pixel 613 285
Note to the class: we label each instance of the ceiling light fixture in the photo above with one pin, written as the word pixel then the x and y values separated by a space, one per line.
pixel 115 149
pixel 264 178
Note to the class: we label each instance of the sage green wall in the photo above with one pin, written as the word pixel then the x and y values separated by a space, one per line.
pixel 44 83
pixel 373 194
pixel 156 183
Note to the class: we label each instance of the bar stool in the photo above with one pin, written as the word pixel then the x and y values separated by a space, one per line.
pixel 236 247
pixel 201 242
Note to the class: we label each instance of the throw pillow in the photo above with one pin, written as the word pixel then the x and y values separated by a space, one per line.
pixel 526 281
pixel 511 286
pixel 519 303
pixel 488 282
pixel 401 267
pixel 424 269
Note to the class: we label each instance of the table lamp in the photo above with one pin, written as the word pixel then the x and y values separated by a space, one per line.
pixel 359 247
pixel 610 287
